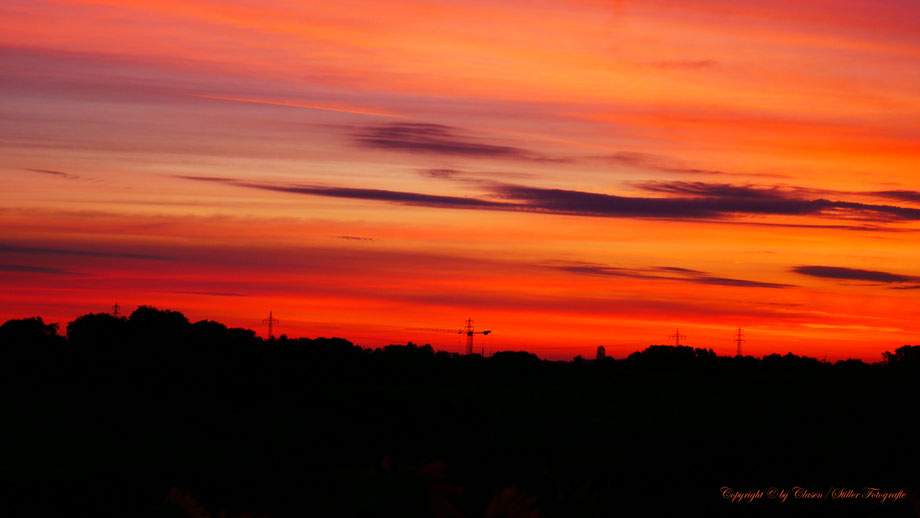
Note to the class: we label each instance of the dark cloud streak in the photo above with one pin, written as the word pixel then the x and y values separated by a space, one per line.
pixel 854 274
pixel 60 174
pixel 900 195
pixel 17 249
pixel 418 137
pixel 21 268
pixel 665 165
pixel 355 238
pixel 430 138
pixel 660 273
pixel 688 201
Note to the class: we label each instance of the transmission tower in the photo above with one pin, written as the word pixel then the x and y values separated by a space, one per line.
pixel 270 321
pixel 115 310
pixel 739 339
pixel 676 337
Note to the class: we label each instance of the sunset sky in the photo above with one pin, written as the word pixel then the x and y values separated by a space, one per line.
pixel 568 174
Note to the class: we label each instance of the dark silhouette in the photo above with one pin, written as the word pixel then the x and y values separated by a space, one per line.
pixel 98 330
pixel 29 333
pixel 681 355
pixel 154 416
pixel 907 356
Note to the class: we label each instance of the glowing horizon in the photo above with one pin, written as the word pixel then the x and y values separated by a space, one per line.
pixel 567 174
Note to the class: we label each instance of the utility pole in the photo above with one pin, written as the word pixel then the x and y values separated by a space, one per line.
pixel 739 339
pixel 115 311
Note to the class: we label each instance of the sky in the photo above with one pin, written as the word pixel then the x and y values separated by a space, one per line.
pixel 568 174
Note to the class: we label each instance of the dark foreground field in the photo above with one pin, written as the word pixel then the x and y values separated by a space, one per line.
pixel 155 417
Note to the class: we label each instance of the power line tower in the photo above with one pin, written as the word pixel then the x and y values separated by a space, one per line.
pixel 270 321
pixel 115 311
pixel 739 339
pixel 677 337
pixel 468 329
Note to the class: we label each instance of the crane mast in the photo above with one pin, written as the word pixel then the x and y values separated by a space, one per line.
pixel 468 329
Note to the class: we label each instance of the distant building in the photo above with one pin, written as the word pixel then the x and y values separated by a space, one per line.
pixel 601 352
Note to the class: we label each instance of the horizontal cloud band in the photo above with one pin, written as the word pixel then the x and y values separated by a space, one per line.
pixel 687 201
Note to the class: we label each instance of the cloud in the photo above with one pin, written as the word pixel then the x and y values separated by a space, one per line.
pixel 407 198
pixel 691 201
pixel 722 281
pixel 666 165
pixel 747 199
pixel 712 190
pixel 669 273
pixel 854 274
pixel 681 207
pixel 355 238
pixel 21 268
pixel 909 196
pixel 60 174
pixel 418 137
pixel 441 173
pixel 17 249
pixel 215 179
pixel 472 177
pixel 401 197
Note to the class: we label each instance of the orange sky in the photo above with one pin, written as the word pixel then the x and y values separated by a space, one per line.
pixel 568 174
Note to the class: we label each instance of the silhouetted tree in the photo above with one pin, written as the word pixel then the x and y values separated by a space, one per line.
pixel 851 364
pixel 149 324
pixel 907 355
pixel 237 420
pixel 515 357
pixel 209 331
pixel 98 330
pixel 791 362
pixel 29 333
pixel 667 355
pixel 241 335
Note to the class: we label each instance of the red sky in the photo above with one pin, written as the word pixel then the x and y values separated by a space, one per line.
pixel 568 174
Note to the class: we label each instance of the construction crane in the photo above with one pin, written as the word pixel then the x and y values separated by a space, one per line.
pixel 468 329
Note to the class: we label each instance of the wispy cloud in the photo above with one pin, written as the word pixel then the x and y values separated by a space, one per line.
pixel 689 200
pixel 472 176
pixel 19 249
pixel 667 273
pixel 782 200
pixel 22 268
pixel 59 174
pixel 664 164
pixel 900 195
pixel 401 197
pixel 441 173
pixel 418 137
pixel 856 274
pixel 315 105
